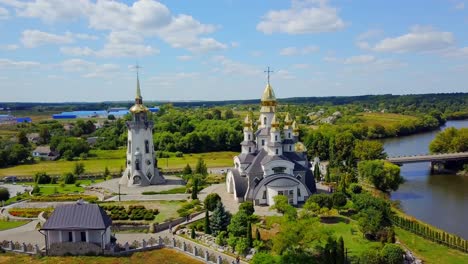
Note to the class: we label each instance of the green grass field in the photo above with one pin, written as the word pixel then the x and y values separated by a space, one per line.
pixel 4 225
pixel 47 189
pixel 160 256
pixel 384 119
pixel 429 251
pixel 115 160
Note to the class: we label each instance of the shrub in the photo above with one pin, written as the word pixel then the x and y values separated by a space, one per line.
pixel 69 178
pixel 323 200
pixel 211 201
pixel 77 184
pixel 338 199
pixel 221 238
pixel 355 188
pixel 179 154
pixel 42 178
pixel 149 216
pixel 4 194
pixel 36 190
pixel 392 254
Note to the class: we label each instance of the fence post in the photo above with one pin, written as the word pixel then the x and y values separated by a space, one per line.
pixel 127 246
pixel 36 249
pixel 174 242
pixel 143 243
pixel 220 260
pixel 184 246
pixel 160 241
pixel 207 255
pixel 11 245
pixel 24 247
pixel 195 251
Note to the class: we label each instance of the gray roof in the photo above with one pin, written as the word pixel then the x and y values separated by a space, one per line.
pixel 263 132
pixel 256 166
pixel 247 143
pixel 286 181
pixel 274 144
pixel 78 217
pixel 246 158
pixel 272 158
pixel 241 183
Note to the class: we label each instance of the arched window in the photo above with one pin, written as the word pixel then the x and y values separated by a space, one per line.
pixel 289 147
pixel 277 151
pixel 137 164
pixel 263 142
pixel 146 146
pixel 264 120
pixel 250 149
pixel 129 146
pixel 248 136
pixel 276 137
pixel 289 135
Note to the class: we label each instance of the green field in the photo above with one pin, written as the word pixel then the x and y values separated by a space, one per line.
pixel 4 225
pixel 384 119
pixel 115 160
pixel 160 256
pixel 429 251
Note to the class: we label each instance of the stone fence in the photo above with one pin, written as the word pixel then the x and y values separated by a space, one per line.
pixel 20 247
pixel 185 246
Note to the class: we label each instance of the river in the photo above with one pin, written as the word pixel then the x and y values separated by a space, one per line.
pixel 440 200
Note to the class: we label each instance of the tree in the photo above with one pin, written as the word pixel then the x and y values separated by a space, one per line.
pixel 201 168
pixel 36 189
pixel 281 202
pixel 242 246
pixel 22 139
pixel 187 170
pixel 369 150
pixel 69 178
pixel 323 200
pixel 192 234
pixel 384 175
pixel 195 189
pixel 370 256
pixel 238 226
pixel 219 219
pixel 206 227
pixel 4 194
pixel 111 117
pixel 216 114
pixel 42 178
pixel 317 172
pixel 327 175
pixel 78 169
pixel 247 207
pixel 211 201
pixel 450 140
pixel 340 257
pixel 265 258
pixel 44 135
pixel 228 114
pixel 392 254
pixel 370 221
pixel 338 199
pixel 249 234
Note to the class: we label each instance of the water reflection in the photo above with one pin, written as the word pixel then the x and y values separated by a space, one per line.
pixel 441 200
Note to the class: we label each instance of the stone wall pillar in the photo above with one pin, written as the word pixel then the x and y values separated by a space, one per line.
pixel 143 244
pixel 220 260
pixel 207 255
pixel 11 245
pixel 127 246
pixel 160 241
pixel 184 246
pixel 195 251
pixel 174 244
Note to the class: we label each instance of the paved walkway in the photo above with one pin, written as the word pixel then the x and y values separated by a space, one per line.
pixel 113 186
pixel 26 233
pixel 153 197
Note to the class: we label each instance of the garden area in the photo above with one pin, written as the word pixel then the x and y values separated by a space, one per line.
pixel 29 212
pixel 160 256
pixel 4 225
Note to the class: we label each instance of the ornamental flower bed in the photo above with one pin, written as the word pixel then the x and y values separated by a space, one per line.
pixel 64 198
pixel 28 212
pixel 134 212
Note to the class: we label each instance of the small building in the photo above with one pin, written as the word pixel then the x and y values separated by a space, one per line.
pixel 45 152
pixel 33 137
pixel 77 229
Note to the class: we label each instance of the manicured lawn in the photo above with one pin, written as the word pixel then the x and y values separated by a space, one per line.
pixel 160 256
pixel 429 251
pixel 47 189
pixel 167 209
pixel 4 225
pixel 114 160
pixel 171 191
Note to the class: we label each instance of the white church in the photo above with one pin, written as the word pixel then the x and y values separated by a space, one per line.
pixel 142 167
pixel 272 162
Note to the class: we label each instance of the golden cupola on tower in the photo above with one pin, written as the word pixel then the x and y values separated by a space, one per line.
pixel 248 123
pixel 268 101
pixel 295 128
pixel 287 121
pixel 138 107
pixel 274 123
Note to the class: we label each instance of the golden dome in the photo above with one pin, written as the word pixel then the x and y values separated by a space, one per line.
pixel 299 147
pixel 274 122
pixel 268 97
pixel 295 128
pixel 287 121
pixel 138 108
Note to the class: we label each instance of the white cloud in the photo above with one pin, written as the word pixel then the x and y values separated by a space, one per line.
pixel 284 74
pixel 303 17
pixel 301 66
pixel 256 53
pixel 360 59
pixel 362 40
pixel 119 44
pixel 419 39
pixel 34 38
pixel 228 66
pixel 51 10
pixel 148 18
pixel 11 64
pixel 234 44
pixel 89 69
pixel 293 51
pixel 85 36
pixel 460 6
pixel 9 47
pixel 4 13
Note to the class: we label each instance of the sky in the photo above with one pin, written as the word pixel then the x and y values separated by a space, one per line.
pixel 86 50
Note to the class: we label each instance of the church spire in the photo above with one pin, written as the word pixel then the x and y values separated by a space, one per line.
pixel 138 107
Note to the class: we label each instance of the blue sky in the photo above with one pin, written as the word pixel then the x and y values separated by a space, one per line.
pixel 83 50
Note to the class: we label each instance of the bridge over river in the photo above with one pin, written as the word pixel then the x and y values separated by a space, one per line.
pixel 434 159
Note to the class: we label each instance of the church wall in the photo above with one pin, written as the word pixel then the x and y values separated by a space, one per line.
pixel 268 167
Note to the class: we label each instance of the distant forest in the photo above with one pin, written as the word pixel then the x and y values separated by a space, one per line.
pixel 420 101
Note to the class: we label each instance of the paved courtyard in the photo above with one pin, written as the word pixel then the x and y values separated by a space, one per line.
pixel 113 186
